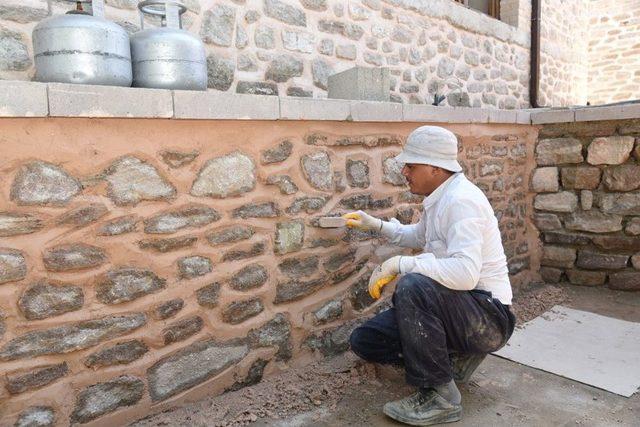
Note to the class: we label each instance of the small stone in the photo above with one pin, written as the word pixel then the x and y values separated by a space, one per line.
pixel 182 329
pixel 225 176
pixel 257 210
pixel 208 296
pixel 238 254
pixel 16 223
pixel 333 341
pixel 545 180
pixel 317 170
pixel 120 225
pixel 13 266
pixel 83 215
pixel 550 275
pixel 239 311
pixel 611 150
pixel 404 215
pixel 563 201
pixel 257 88
pixel 347 51
pixel 307 204
pixel 392 172
pixel 285 13
pixel 558 256
pixel 178 159
pixel 250 277
pixel 299 267
pixel 14 55
pixel 550 152
pixel 44 184
pixel 22 14
pixel 320 71
pixel 19 382
pixel 299 92
pixel 192 216
pixel 633 227
pixel 317 5
pixel 625 281
pixel 246 62
pixel 357 173
pixel 357 202
pixel 325 47
pixel 277 154
pixel 103 398
pixel 491 167
pixel 546 221
pixel 242 39
pixel 70 337
pixel 297 41
pixel 375 59
pixel 590 260
pixel 220 71
pixel 76 256
pixel 126 284
pixel 594 222
pixel 169 244
pixel 45 299
pixel 218 24
pixel 337 260
pixel 229 234
pixel 264 37
pixel 296 289
pixel 254 376
pixel 283 68
pixel 580 178
pixel 284 182
pixel 251 16
pixel 132 180
pixel 276 332
pixel 289 237
pixel 118 354
pixel 566 238
pixel 586 200
pixel 328 312
pixel 168 309
pixel 617 243
pixel 620 203
pixel 36 416
pixel 194 266
pixel 586 278
pixel 622 178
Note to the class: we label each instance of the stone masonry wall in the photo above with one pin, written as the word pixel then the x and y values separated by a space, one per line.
pixel 588 203
pixel 289 47
pixel 614 51
pixel 145 262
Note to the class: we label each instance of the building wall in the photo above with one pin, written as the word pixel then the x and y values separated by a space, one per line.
pixel 124 290
pixel 614 51
pixel 588 204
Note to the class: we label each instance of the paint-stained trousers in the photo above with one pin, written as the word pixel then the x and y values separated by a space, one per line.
pixel 427 323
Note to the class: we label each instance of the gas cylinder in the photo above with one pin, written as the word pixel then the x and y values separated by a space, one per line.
pixel 83 48
pixel 167 57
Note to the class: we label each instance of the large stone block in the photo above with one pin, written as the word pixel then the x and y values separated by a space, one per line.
pixel 182 329
pixel 126 284
pixel 16 223
pixel 566 238
pixel 274 333
pixel 611 150
pixel 103 398
pixel 617 243
pixel 45 299
pixel 284 12
pixel 192 216
pixel 360 83
pixel 229 234
pixel 558 256
pixel 75 256
pixel 625 281
pixel 70 337
pixel 556 151
pixel 622 178
pixel 581 178
pixel 591 260
pixel 249 277
pixel 225 176
pixel 545 180
pixel 218 24
pixel 586 278
pixel 622 204
pixel 283 68
pixel 118 354
pixel 13 266
pixel 239 311
pixel 546 221
pixel 550 274
pixel 191 366
pixel 14 55
pixel 594 222
pixel 564 201
pixel 132 180
pixel 220 70
pixel 44 184
pixel 289 237
pixel 19 382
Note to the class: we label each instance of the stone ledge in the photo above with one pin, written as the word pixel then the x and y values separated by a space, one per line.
pixel 23 99
pixel 314 109
pixel 214 105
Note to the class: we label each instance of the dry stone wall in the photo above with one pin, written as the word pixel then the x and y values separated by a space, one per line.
pixel 144 262
pixel 588 204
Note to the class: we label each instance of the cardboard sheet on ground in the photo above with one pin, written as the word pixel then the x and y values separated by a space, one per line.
pixel 596 350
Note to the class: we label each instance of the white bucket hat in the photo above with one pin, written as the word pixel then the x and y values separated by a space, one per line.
pixel 431 145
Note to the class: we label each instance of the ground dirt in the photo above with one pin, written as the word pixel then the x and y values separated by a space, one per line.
pixel 344 391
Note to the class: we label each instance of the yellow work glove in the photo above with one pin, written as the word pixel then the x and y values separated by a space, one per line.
pixel 382 275
pixel 362 221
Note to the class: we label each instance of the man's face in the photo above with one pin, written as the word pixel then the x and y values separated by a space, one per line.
pixel 422 178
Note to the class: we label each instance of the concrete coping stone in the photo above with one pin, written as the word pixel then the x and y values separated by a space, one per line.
pixel 33 99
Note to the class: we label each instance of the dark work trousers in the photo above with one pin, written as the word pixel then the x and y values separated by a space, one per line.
pixel 427 323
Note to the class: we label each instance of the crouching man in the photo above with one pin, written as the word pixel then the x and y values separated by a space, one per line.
pixel 451 304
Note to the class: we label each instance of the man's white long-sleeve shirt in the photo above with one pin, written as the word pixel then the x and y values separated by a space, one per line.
pixel 461 243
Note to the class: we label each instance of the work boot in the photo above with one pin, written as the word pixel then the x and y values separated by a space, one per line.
pixel 464 365
pixel 423 408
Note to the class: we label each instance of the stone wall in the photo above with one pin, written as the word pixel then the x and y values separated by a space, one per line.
pixel 588 206
pixel 614 51
pixel 147 262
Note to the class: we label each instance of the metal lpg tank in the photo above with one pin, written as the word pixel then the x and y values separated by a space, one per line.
pixel 167 57
pixel 82 48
